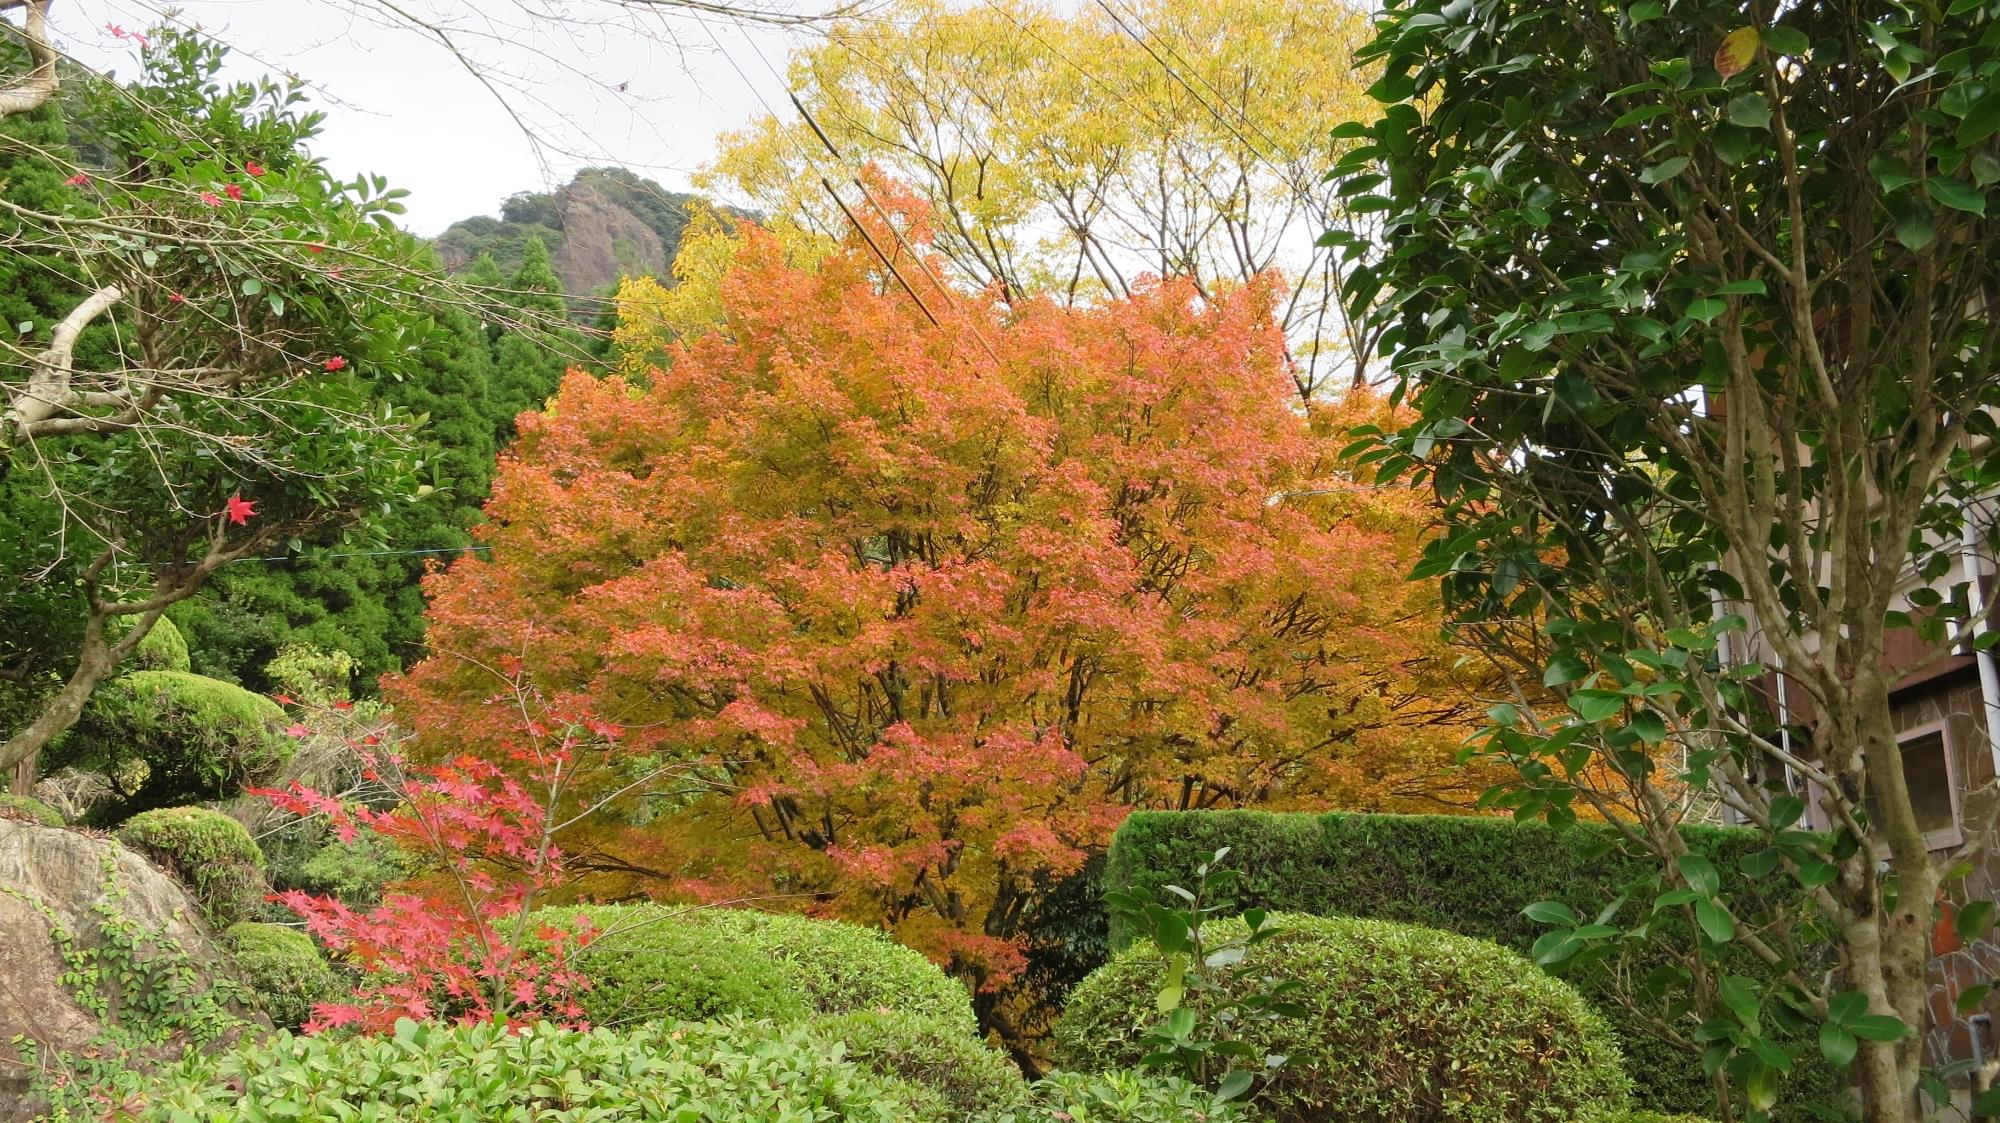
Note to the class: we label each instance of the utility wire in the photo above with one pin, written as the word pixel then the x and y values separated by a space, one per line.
pixel 367 554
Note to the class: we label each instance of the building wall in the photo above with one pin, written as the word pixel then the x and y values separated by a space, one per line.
pixel 1955 700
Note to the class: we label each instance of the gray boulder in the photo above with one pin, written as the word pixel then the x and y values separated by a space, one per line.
pixel 57 883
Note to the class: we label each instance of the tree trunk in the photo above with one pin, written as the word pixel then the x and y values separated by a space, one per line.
pixel 95 661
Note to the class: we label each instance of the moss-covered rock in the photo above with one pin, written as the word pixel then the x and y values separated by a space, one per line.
pixel 29 809
pixel 285 968
pixel 198 738
pixel 209 852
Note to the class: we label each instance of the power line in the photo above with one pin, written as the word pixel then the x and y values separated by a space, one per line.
pixel 369 554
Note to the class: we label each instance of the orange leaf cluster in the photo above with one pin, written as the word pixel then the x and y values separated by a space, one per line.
pixel 929 607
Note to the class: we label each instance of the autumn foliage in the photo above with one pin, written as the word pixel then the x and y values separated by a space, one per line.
pixel 929 607
pixel 456 943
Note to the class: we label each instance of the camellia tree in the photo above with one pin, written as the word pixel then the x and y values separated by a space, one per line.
pixel 190 380
pixel 1692 303
pixel 930 594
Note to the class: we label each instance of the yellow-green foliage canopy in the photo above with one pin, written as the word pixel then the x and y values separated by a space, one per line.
pixel 1071 153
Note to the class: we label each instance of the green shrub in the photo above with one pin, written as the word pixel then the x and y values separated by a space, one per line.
pixel 1123 1096
pixel 354 871
pixel 647 964
pixel 1646 1117
pixel 28 809
pixel 968 1078
pixel 1466 875
pixel 209 852
pixel 724 1073
pixel 650 962
pixel 844 967
pixel 199 738
pixel 285 968
pixel 1403 1024
pixel 163 649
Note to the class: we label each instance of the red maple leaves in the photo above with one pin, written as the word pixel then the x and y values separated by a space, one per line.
pixel 453 944
pixel 239 510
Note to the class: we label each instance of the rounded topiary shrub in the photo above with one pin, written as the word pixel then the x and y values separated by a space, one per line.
pixel 285 968
pixel 969 1080
pixel 647 964
pixel 844 967
pixel 209 852
pixel 28 809
pixel 1403 1025
pixel 732 1072
pixel 164 648
pixel 1122 1096
pixel 198 738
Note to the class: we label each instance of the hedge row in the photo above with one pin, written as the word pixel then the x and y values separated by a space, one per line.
pixel 733 1071
pixel 1465 875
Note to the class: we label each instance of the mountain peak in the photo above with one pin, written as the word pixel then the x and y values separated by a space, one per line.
pixel 604 224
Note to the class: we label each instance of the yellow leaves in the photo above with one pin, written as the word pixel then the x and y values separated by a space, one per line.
pixel 1738 48
pixel 651 316
pixel 1072 153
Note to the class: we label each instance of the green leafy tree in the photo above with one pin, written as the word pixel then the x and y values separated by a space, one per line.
pixel 1691 304
pixel 527 365
pixel 201 387
pixel 363 596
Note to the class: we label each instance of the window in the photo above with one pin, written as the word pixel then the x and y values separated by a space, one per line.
pixel 1929 774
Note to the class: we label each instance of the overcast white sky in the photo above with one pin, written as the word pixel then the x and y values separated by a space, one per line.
pixel 400 105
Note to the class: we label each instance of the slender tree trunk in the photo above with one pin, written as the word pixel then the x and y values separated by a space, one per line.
pixel 95 661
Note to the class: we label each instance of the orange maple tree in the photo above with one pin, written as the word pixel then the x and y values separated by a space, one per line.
pixel 930 606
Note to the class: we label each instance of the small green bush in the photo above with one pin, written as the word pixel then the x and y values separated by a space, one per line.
pixel 28 809
pixel 650 962
pixel 646 964
pixel 731 1072
pixel 1124 1096
pixel 844 967
pixel 1465 874
pixel 354 871
pixel 285 968
pixel 164 648
pixel 968 1078
pixel 1403 1025
pixel 199 738
pixel 209 852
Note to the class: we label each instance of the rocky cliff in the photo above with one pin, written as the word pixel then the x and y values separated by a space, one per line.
pixel 602 225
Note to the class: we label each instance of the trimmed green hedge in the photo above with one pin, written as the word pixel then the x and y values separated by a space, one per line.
pixel 1467 875
pixel 653 963
pixel 164 648
pixel 209 852
pixel 285 968
pixel 646 965
pixel 1125 1096
pixel 1402 1023
pixel 198 738
pixel 964 1079
pixel 844 967
pixel 734 1072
